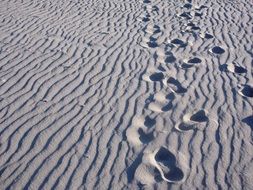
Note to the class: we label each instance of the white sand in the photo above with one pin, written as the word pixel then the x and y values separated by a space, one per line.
pixel 126 94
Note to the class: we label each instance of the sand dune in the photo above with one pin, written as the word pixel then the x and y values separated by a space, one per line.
pixel 138 94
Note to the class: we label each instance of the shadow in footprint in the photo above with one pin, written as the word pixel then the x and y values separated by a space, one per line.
pixel 176 86
pixel 239 70
pixel 157 76
pixel 201 7
pixel 208 36
pixel 249 121
pixel 198 14
pixel 199 116
pixel 217 50
pixel 194 60
pixel 186 66
pixel 152 44
pixel 145 19
pixel 145 138
pixel 195 28
pixel 167 161
pixel 188 6
pixel 186 15
pixel 146 1
pixel 168 107
pixel 170 59
pixel 149 122
pixel 247 91
pixel 178 42
pixel 185 127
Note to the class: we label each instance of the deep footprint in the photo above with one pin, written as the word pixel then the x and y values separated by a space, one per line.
pixel 167 161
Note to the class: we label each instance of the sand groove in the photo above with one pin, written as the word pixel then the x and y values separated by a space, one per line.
pixel 106 94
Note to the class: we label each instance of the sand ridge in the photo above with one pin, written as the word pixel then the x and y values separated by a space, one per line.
pixel 106 94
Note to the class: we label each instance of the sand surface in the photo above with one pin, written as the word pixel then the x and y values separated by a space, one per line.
pixel 126 94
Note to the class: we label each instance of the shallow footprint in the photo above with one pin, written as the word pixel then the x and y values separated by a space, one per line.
pixel 167 166
pixel 141 132
pixel 160 103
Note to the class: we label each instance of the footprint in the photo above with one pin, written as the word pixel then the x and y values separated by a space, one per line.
pixel 149 42
pixel 150 8
pixel 160 103
pixel 145 137
pixel 195 28
pixel 153 75
pixel 206 35
pixel 191 121
pixel 187 5
pixel 190 24
pixel 159 76
pixel 149 122
pixel 198 14
pixel 145 19
pixel 170 59
pixel 146 1
pixel 141 132
pixel 235 68
pixel 186 66
pixel 152 29
pixel 194 60
pixel 246 91
pixel 167 166
pixel 198 8
pixel 175 85
pixel 186 15
pixel 199 116
pixel 164 56
pixel 185 127
pixel 217 50
pixel 177 42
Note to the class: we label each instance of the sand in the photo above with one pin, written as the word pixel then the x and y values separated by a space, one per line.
pixel 126 94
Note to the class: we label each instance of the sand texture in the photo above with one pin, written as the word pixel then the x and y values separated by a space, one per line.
pixel 126 94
